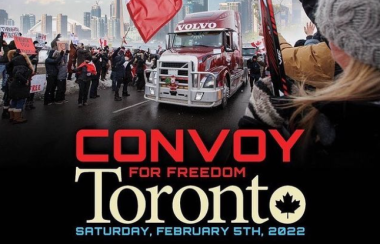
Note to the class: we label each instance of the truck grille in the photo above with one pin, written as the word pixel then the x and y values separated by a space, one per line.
pixel 174 65
pixel 180 72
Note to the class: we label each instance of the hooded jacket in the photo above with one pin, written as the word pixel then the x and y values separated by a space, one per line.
pixel 312 64
pixel 20 70
pixel 51 64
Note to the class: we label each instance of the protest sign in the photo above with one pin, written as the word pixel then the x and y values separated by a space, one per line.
pixel 25 45
pixel 62 46
pixel 38 83
pixel 9 31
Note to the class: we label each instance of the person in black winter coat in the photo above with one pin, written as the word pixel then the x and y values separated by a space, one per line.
pixel 254 70
pixel 104 57
pixel 51 65
pixel 95 79
pixel 20 71
pixel 118 72
pixel 128 76
pixel 114 56
pixel 140 74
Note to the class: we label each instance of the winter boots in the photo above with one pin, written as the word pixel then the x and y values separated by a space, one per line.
pixel 11 116
pixel 17 118
pixel 117 97
pixel 5 114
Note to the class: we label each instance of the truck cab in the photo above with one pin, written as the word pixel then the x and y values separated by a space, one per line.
pixel 203 64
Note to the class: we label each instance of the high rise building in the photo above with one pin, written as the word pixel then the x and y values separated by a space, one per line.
pixel 27 21
pixel 3 17
pixel 96 11
pixel 47 26
pixel 112 10
pixel 236 6
pixel 62 25
pixel 296 12
pixel 10 22
pixel 103 26
pixel 246 15
pixel 95 27
pixel 119 6
pixel 87 19
pixel 114 28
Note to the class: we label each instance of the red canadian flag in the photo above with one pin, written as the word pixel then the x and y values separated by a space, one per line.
pixel 149 16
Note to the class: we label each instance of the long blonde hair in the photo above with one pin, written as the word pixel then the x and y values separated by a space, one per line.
pixel 359 82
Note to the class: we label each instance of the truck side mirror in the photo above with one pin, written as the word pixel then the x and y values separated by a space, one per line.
pixel 167 41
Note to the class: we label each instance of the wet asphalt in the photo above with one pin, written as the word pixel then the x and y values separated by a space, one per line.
pixel 48 139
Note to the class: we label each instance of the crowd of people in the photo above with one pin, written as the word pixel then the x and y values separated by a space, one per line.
pixel 87 65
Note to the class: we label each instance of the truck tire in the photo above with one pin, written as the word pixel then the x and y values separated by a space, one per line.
pixel 226 94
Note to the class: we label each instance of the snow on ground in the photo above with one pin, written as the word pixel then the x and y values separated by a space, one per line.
pixel 71 88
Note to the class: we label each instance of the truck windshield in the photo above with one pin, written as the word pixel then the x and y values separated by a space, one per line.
pixel 249 51
pixel 193 39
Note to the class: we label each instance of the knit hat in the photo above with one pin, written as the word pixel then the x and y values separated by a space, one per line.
pixel 353 26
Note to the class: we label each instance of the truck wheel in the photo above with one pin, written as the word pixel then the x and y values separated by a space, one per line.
pixel 226 94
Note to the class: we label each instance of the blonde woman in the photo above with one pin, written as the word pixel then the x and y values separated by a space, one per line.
pixel 341 121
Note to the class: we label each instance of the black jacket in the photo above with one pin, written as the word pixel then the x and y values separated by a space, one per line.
pixel 51 64
pixel 20 70
pixel 105 59
pixel 98 66
pixel 346 134
pixel 5 48
pixel 254 67
pixel 119 69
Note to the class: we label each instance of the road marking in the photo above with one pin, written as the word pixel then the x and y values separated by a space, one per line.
pixel 135 105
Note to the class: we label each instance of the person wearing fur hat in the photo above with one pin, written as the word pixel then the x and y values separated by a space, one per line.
pixel 20 71
pixel 341 121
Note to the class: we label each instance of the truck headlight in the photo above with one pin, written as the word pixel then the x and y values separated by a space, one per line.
pixel 151 90
pixel 210 82
pixel 199 96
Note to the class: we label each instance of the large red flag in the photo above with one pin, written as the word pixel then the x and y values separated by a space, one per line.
pixel 149 16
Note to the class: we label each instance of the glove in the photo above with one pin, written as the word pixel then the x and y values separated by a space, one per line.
pixel 62 53
pixel 58 36
pixel 88 74
pixel 260 107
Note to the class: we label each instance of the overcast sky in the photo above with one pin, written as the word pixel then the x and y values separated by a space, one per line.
pixel 73 8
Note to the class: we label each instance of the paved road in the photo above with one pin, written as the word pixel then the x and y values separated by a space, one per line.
pixel 48 139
